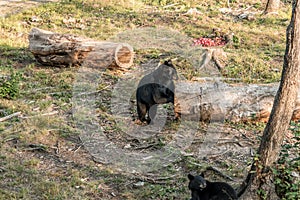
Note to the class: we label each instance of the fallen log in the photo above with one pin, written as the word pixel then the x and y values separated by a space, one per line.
pixel 217 101
pixel 55 49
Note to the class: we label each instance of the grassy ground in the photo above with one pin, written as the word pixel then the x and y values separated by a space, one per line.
pixel 41 154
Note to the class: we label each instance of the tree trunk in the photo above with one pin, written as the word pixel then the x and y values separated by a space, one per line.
pixel 63 50
pixel 272 6
pixel 259 179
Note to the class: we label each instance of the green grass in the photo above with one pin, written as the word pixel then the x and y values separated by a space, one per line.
pixel 61 168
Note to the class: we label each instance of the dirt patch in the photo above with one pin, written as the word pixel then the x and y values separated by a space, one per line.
pixel 211 144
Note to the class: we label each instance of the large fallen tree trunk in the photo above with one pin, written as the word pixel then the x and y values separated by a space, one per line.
pixel 64 49
pixel 215 101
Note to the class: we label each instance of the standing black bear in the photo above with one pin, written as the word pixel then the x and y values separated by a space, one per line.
pixel 155 88
pixel 205 190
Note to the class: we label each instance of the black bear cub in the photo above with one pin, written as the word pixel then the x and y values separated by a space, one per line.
pixel 155 88
pixel 205 190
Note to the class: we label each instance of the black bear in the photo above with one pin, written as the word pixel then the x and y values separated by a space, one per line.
pixel 205 190
pixel 155 88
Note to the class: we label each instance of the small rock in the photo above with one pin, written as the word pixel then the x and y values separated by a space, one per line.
pixel 193 12
pixel 113 194
pixel 275 70
pixel 139 184
pixel 295 174
pixel 127 146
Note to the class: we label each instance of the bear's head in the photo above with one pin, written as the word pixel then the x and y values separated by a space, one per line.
pixel 196 185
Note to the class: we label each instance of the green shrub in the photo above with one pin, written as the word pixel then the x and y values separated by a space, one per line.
pixel 287 180
pixel 9 85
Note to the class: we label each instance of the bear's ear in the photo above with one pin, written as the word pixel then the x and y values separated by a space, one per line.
pixel 168 62
pixel 202 174
pixel 191 177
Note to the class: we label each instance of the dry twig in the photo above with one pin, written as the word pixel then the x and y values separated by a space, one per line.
pixel 210 168
pixel 2 119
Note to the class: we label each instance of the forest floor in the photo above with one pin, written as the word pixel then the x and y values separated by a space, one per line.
pixel 45 152
pixel 9 7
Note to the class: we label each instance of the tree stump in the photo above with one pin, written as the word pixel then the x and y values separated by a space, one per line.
pixel 64 49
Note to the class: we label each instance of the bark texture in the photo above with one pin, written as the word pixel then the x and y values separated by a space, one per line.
pixel 272 6
pixel 260 176
pixel 64 49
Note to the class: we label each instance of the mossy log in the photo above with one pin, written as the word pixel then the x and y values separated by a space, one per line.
pixel 55 49
pixel 216 101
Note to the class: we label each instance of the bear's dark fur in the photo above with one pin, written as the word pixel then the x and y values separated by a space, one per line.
pixel 155 88
pixel 205 190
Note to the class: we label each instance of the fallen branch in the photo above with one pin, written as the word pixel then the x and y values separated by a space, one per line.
pixel 210 168
pixel 36 147
pixel 43 114
pixel 156 180
pixel 10 116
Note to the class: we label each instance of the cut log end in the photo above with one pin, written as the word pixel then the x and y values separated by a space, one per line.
pixel 124 56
